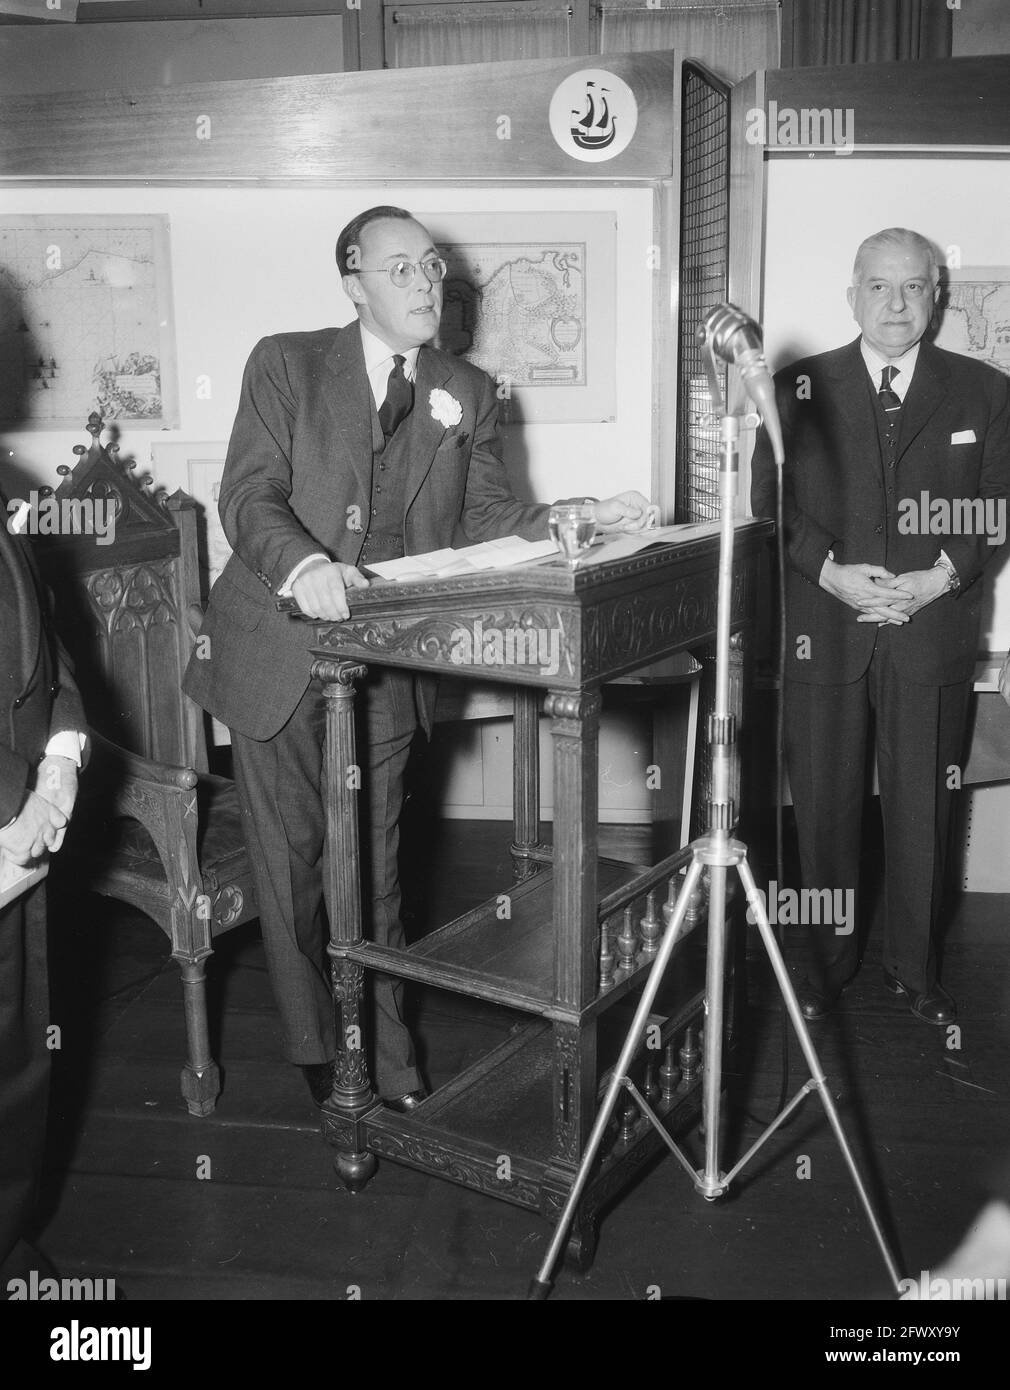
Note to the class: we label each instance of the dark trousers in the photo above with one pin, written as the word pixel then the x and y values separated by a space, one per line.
pixel 24 1074
pixel 281 785
pixel 919 739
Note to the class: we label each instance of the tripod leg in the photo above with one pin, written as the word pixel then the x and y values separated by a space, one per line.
pixel 799 1023
pixel 711 1184
pixel 540 1286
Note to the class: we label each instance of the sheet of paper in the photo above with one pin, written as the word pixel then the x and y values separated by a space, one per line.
pixel 469 559
pixel 620 547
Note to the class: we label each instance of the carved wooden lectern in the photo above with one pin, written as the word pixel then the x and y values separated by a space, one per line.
pixel 580 931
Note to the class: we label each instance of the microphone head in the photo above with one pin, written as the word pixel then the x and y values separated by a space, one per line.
pixel 730 332
pixel 735 337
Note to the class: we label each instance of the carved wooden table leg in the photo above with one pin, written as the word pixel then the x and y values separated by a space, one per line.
pixel 525 780
pixel 575 729
pixel 191 947
pixel 352 1094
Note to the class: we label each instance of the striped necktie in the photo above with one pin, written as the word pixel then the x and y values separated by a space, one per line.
pixel 889 399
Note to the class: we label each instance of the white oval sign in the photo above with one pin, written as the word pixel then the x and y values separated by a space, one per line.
pixel 593 115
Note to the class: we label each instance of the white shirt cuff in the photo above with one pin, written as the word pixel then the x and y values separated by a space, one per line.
pixel 285 590
pixel 68 743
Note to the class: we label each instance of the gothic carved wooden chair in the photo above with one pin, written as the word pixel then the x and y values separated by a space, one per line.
pixel 154 828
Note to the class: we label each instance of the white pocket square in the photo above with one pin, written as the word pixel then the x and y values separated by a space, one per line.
pixel 963 437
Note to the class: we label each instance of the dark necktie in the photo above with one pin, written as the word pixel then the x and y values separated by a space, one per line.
pixel 889 399
pixel 399 399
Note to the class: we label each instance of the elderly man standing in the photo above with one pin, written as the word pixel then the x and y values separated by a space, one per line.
pixel 885 439
pixel 351 446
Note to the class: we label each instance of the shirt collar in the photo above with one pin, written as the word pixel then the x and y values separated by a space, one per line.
pixel 905 365
pixel 377 353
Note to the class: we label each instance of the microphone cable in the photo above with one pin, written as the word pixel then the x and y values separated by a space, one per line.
pixel 779 786
pixel 780 761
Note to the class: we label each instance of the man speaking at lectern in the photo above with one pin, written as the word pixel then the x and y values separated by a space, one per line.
pixel 895 484
pixel 351 446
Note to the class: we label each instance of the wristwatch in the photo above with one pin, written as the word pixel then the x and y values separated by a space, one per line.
pixel 953 578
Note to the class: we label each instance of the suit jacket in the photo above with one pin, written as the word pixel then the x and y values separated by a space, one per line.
pixel 299 462
pixel 836 497
pixel 38 697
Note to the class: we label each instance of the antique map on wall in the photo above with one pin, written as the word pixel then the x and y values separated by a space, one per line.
pixel 85 321
pixel 976 319
pixel 532 301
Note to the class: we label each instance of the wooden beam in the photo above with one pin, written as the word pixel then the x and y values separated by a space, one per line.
pixel 403 125
pixel 119 11
pixel 948 103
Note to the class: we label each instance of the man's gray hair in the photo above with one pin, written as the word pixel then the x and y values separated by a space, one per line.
pixel 896 236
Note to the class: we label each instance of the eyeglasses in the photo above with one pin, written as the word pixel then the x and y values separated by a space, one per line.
pixel 402 272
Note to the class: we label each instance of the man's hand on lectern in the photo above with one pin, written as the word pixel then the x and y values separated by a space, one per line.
pixel 320 589
pixel 626 511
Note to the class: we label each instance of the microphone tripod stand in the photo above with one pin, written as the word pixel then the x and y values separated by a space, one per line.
pixel 718 852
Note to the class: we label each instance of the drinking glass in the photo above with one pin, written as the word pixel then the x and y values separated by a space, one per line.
pixel 573 528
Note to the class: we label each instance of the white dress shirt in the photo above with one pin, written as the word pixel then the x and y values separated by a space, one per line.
pixel 905 364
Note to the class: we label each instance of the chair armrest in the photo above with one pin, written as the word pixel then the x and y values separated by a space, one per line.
pixel 108 755
pixel 161 797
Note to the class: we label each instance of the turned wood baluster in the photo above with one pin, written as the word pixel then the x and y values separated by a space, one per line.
pixel 669 1072
pixel 674 886
pixel 690 1051
pixel 695 908
pixel 606 957
pixel 627 944
pixel 650 1088
pixel 629 1118
pixel 651 929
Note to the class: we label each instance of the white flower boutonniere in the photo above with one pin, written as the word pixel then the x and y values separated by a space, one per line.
pixel 445 409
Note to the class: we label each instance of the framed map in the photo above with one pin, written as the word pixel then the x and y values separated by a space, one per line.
pixel 976 316
pixel 86 321
pixel 532 299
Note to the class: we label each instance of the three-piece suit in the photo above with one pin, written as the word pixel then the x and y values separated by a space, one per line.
pixel 308 471
pixel 871 492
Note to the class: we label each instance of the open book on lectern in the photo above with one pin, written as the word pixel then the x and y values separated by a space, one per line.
pixel 510 551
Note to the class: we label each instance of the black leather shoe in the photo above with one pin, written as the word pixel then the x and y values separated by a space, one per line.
pixel 814 1002
pixel 405 1105
pixel 320 1080
pixel 934 1006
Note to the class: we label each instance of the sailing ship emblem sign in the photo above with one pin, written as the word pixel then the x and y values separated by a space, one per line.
pixel 593 115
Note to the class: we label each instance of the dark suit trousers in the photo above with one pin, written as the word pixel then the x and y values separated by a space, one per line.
pixel 24 1072
pixel 281 783
pixel 919 737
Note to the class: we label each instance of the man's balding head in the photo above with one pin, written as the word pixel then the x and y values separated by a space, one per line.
pixel 895 284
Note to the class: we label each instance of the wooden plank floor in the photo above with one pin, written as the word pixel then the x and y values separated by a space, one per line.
pixel 124 1196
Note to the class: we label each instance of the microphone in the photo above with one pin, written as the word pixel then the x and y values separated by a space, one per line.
pixel 736 338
